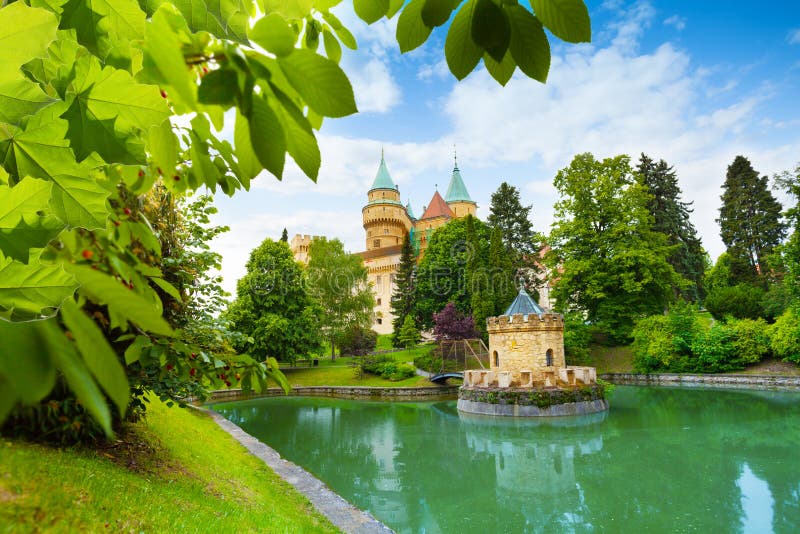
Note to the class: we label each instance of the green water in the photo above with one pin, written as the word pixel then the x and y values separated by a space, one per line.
pixel 661 460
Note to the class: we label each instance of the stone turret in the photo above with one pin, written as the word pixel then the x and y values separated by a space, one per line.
pixel 386 220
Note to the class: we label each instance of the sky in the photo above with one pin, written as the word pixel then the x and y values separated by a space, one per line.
pixel 693 83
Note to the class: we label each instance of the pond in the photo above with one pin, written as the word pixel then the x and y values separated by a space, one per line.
pixel 660 460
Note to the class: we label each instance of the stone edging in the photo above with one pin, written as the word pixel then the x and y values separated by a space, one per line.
pixel 344 392
pixel 520 410
pixel 340 512
pixel 722 381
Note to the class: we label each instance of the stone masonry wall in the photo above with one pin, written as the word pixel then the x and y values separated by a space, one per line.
pixel 522 345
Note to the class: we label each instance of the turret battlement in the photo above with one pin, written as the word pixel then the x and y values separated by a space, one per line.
pixel 520 322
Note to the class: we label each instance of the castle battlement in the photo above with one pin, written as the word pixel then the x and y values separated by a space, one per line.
pixel 521 322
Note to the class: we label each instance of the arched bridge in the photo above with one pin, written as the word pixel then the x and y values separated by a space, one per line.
pixel 441 378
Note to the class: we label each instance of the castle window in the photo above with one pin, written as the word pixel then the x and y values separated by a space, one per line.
pixel 378 283
pixel 379 302
pixel 549 357
pixel 376 243
pixel 386 231
pixel 496 359
pixel 379 320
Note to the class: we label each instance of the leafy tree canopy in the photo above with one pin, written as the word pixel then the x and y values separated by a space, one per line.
pixel 610 263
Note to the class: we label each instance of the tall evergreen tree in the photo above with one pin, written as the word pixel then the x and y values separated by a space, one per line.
pixel 404 296
pixel 750 221
pixel 285 236
pixel 671 218
pixel 501 270
pixel 507 213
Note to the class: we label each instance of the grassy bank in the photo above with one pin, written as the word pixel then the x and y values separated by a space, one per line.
pixel 176 472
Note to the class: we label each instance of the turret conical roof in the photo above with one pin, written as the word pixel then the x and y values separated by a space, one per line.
pixel 457 191
pixel 524 304
pixel 382 179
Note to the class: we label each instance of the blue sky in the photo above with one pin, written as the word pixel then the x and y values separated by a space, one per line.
pixel 694 83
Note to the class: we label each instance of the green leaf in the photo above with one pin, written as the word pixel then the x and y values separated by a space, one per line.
pixel 290 9
pixel 437 12
pixel 78 377
pixel 32 291
pixel 219 87
pixel 332 47
pixel 24 219
pixel 25 362
pixel 110 111
pixel 3 176
pixel 267 137
pixel 370 10
pixel 411 30
pixel 168 288
pixel 225 19
pixel 97 354
pixel 25 34
pixel 320 82
pixel 341 32
pixel 249 166
pixel 300 140
pixel 163 49
pixel 274 34
pixel 394 7
pixel 102 289
pixel 19 98
pixel 163 147
pixel 134 351
pixel 106 27
pixel 567 19
pixel 461 52
pixel 490 28
pixel 529 46
pixel 501 71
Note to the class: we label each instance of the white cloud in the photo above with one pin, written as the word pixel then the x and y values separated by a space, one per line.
pixel 794 36
pixel 676 21
pixel 374 87
pixel 438 71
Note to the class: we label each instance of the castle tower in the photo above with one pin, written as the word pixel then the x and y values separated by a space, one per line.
pixel 526 338
pixel 386 221
pixel 457 196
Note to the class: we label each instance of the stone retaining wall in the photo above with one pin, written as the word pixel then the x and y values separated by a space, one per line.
pixel 344 392
pixel 722 381
pixel 537 402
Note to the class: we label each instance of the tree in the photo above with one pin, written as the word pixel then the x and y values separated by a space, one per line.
pixel 404 297
pixel 789 181
pixel 609 262
pixel 274 308
pixel 451 324
pixel 409 334
pixel 285 236
pixel 671 218
pixel 90 109
pixel 338 281
pixel 443 274
pixel 750 221
pixel 507 214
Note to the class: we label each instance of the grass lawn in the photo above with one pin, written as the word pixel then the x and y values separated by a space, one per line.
pixel 178 472
pixel 609 359
pixel 345 376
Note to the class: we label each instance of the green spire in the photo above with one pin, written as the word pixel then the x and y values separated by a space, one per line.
pixel 457 191
pixel 382 179
pixel 409 210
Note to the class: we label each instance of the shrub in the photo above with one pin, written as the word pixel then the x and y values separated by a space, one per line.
pixel 577 337
pixel 449 323
pixel 385 366
pixel 409 334
pixel 715 350
pixel 741 301
pixel 357 341
pixel 785 336
pixel 653 345
pixel 750 340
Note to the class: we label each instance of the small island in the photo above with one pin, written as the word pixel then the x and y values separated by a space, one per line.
pixel 528 375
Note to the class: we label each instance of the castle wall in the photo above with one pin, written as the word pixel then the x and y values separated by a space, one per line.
pixel 519 345
pixel 380 274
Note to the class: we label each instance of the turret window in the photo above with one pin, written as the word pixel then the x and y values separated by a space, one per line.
pixel 376 243
pixel 549 357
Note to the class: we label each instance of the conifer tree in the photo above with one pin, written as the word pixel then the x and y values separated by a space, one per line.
pixel 507 213
pixel 285 236
pixel 501 270
pixel 409 334
pixel 404 296
pixel 750 221
pixel 671 218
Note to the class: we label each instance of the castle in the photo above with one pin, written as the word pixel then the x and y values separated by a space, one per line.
pixel 386 223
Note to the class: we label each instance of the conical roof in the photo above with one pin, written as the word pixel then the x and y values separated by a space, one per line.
pixel 409 210
pixel 524 304
pixel 457 191
pixel 382 179
pixel 437 208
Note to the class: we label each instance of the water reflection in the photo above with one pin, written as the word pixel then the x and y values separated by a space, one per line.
pixel 660 460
